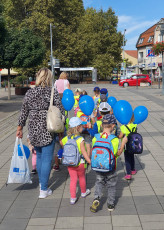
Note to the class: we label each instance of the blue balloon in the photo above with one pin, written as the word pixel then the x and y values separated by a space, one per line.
pixel 67 92
pixel 123 111
pixel 86 105
pixel 112 101
pixel 140 114
pixel 26 150
pixel 68 101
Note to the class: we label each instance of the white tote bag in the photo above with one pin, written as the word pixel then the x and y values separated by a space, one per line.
pixel 19 169
pixel 55 120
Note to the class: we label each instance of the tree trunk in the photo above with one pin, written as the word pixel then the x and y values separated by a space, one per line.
pixel 9 90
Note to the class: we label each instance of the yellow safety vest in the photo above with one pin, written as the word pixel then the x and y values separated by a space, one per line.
pixel 76 101
pixel 99 123
pixel 125 131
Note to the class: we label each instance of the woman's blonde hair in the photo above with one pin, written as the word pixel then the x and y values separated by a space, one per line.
pixel 44 77
pixel 63 75
pixel 73 131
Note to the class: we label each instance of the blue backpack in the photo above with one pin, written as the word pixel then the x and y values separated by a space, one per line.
pixel 103 159
pixel 71 155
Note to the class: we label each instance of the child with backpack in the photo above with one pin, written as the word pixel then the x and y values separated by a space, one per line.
pixel 75 157
pixel 127 130
pixel 104 153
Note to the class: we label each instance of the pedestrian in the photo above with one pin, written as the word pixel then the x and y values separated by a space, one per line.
pixel 129 158
pixel 62 83
pixel 33 153
pixel 77 172
pixel 108 179
pixel 35 106
pixel 78 92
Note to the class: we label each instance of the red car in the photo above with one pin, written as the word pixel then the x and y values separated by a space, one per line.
pixel 132 81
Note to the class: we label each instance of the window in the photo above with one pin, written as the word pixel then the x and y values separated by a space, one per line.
pixel 140 41
pixel 150 39
pixel 142 76
pixel 140 55
pixel 134 77
pixel 160 38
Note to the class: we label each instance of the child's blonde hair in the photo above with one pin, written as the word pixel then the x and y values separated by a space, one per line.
pixel 107 126
pixel 73 131
pixel 132 119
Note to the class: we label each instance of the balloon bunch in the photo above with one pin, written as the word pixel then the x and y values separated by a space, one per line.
pixel 123 111
pixel 68 99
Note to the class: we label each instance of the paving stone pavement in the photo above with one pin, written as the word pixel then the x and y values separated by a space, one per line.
pixel 140 202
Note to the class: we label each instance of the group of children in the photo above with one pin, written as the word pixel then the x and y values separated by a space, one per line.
pixel 84 130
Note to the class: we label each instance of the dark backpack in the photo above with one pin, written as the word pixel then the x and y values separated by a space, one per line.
pixel 135 142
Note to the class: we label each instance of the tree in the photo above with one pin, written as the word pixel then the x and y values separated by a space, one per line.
pixel 99 40
pixel 2 26
pixel 21 49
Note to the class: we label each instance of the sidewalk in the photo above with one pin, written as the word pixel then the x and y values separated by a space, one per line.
pixel 140 202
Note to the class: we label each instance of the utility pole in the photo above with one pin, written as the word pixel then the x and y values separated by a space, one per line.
pixel 123 54
pixel 51 57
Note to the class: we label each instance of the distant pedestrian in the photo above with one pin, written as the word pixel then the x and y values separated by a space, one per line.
pixel 62 83
pixel 35 106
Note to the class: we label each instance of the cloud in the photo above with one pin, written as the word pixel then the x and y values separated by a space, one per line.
pixel 124 19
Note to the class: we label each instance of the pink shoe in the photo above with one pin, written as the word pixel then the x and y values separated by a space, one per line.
pixel 133 172
pixel 128 177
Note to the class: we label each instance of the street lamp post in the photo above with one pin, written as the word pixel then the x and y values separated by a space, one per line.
pixel 51 57
pixel 123 53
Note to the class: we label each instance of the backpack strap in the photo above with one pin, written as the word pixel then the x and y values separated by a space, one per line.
pixel 134 129
pixel 128 129
pixel 76 138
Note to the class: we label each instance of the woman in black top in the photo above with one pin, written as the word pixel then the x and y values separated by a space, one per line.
pixel 35 106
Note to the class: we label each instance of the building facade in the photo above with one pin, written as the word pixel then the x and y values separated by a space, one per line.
pixel 147 61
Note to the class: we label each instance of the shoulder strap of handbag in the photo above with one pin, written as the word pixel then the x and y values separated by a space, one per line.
pixel 52 96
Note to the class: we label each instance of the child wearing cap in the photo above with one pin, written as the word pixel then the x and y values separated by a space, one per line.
pixel 104 109
pixel 76 97
pixel 108 179
pixel 77 172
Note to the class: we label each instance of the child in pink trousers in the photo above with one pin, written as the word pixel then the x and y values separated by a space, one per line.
pixel 77 172
pixel 33 152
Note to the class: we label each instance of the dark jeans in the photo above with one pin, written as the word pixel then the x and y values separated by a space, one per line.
pixel 129 162
pixel 109 180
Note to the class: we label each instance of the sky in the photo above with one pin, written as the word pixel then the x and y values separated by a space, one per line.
pixel 135 16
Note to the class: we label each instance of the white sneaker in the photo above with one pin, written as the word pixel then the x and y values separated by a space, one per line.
pixel 44 194
pixel 73 200
pixel 88 191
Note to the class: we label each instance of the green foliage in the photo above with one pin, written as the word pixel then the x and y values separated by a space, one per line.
pixel 80 37
pixel 158 48
pixel 20 79
pixel 21 49
pixel 2 26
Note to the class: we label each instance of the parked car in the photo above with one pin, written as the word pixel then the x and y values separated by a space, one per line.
pixel 132 81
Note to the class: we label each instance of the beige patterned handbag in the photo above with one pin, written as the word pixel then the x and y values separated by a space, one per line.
pixel 55 120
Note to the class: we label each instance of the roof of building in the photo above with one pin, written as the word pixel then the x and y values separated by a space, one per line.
pixel 132 53
pixel 144 38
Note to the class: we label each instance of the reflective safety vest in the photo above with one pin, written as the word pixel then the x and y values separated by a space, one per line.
pixel 76 101
pixel 99 123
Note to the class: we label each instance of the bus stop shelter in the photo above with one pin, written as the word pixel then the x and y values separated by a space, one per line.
pixel 94 71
